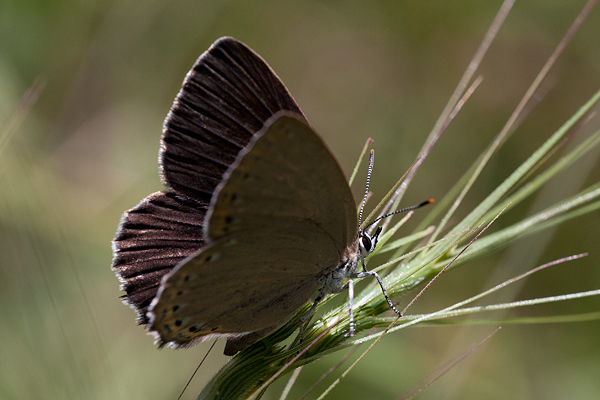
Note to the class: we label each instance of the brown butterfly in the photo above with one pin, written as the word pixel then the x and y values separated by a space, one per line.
pixel 257 219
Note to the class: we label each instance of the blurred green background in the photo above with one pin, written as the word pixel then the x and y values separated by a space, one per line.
pixel 87 151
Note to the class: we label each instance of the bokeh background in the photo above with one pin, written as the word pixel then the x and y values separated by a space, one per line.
pixel 88 148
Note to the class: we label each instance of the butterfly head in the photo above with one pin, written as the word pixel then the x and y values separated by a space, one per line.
pixel 367 243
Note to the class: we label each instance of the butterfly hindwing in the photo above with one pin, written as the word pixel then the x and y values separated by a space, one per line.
pixel 153 237
pixel 233 287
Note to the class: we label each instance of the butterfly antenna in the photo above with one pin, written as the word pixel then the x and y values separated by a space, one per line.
pixel 197 368
pixel 364 201
pixel 428 201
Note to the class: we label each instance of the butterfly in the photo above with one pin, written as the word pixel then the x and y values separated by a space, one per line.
pixel 256 220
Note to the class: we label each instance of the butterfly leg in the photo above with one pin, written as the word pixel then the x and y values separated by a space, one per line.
pixel 363 265
pixel 350 284
pixel 312 309
pixel 376 275
pixel 307 315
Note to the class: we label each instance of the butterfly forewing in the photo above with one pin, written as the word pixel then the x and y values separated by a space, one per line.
pixel 226 97
pixel 285 177
pixel 280 221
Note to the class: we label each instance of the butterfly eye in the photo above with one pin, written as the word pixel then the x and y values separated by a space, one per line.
pixel 365 244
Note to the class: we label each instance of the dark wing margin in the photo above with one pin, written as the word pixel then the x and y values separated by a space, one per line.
pixel 226 97
pixel 153 237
